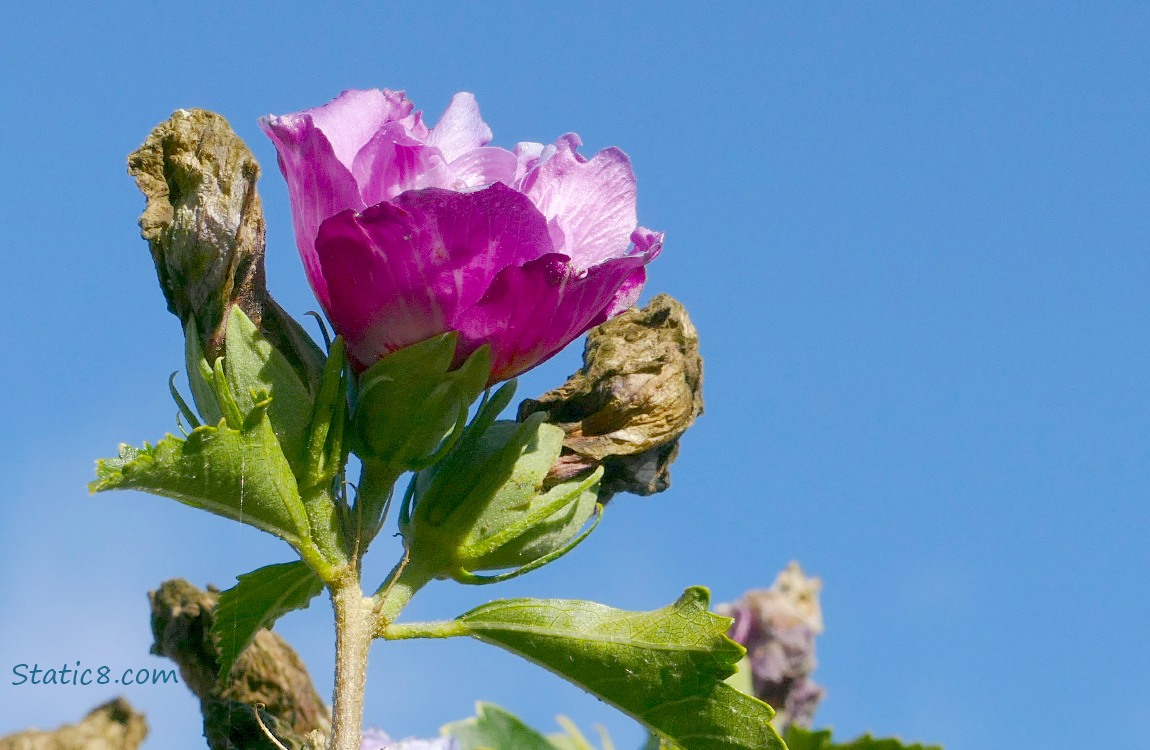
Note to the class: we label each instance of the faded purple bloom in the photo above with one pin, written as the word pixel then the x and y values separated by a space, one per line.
pixel 374 739
pixel 408 231
pixel 778 627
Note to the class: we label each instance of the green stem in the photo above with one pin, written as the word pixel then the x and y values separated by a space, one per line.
pixel 396 591
pixel 353 635
pixel 438 629
pixel 313 556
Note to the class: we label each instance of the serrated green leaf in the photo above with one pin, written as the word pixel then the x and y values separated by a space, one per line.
pixel 743 680
pixel 257 601
pixel 492 728
pixel 655 742
pixel 806 739
pixel 238 474
pixel 665 668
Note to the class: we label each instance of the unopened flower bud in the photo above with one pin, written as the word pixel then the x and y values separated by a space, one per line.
pixel 639 390
pixel 485 506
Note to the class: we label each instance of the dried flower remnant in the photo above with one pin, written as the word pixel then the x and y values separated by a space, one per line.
pixel 114 725
pixel 640 388
pixel 778 627
pixel 269 673
pixel 204 224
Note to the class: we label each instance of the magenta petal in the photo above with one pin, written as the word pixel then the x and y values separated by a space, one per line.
pixel 468 238
pixel 626 296
pixel 400 271
pixel 460 129
pixel 591 202
pixel 530 312
pixel 380 300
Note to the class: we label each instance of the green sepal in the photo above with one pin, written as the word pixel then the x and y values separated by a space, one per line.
pixel 450 496
pixel 522 524
pixel 489 410
pixel 200 376
pixel 664 668
pixel 464 576
pixel 325 454
pixel 240 474
pixel 410 400
pixel 806 739
pixel 324 458
pixel 494 728
pixel 259 599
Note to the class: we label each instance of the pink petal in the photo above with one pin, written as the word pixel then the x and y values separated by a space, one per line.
pixel 590 203
pixel 481 167
pixel 648 245
pixel 647 242
pixel 527 156
pixel 460 129
pixel 393 161
pixel 352 118
pixel 401 271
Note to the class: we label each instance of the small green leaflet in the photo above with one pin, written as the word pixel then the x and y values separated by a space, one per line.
pixel 252 366
pixel 238 474
pixel 805 739
pixel 492 728
pixel 257 601
pixel 655 742
pixel 664 668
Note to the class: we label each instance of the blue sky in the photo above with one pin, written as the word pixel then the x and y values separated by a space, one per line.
pixel 913 238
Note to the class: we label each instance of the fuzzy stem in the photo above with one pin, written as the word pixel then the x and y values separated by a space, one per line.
pixel 353 633
pixel 438 629
pixel 405 579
